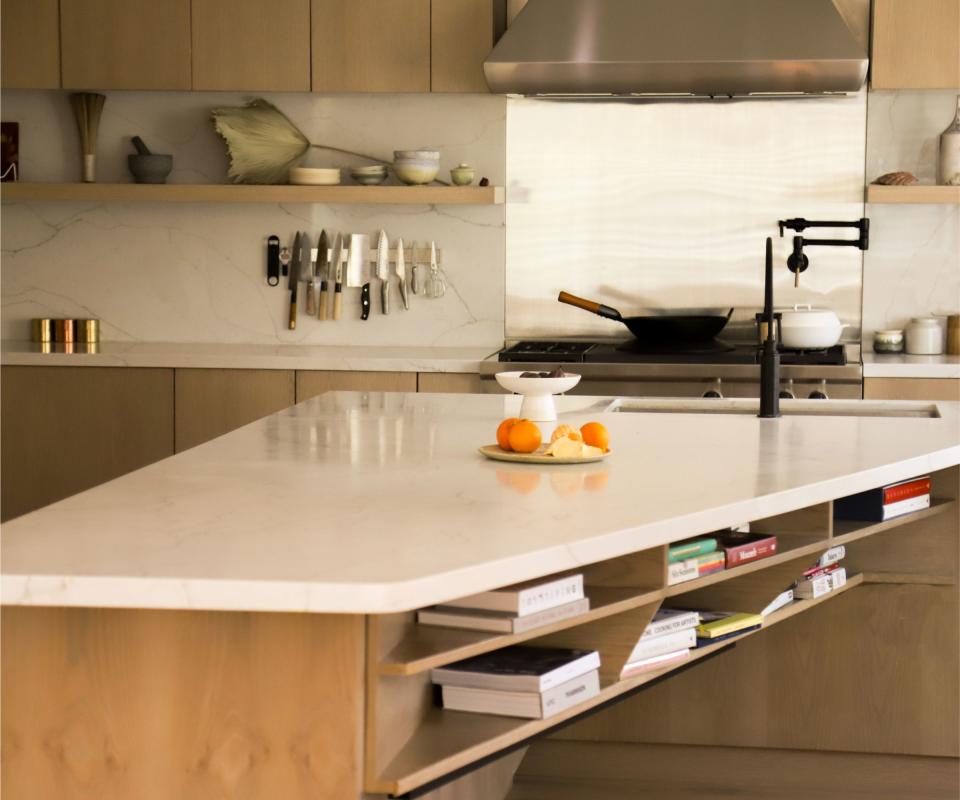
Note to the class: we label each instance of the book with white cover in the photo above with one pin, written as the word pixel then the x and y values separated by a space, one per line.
pixel 499 621
pixel 901 507
pixel 657 662
pixel 664 643
pixel 832 556
pixel 518 669
pixel 530 705
pixel 525 598
pixel 671 619
pixel 783 599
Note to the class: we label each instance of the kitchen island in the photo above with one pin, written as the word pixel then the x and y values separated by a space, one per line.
pixel 235 621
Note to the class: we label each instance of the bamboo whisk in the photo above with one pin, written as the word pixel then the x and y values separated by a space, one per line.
pixel 87 108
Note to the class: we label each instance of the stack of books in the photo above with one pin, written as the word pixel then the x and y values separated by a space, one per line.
pixel 666 640
pixel 528 682
pixel 717 626
pixel 694 558
pixel 887 502
pixel 823 577
pixel 512 609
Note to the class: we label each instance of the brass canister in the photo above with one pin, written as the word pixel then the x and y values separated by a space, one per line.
pixel 88 331
pixel 63 331
pixel 42 330
pixel 953 334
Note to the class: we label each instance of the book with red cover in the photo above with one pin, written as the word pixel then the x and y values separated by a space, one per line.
pixel 742 548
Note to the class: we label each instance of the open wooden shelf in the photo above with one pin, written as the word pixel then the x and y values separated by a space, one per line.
pixel 913 194
pixel 236 193
pixel 846 531
pixel 446 741
pixel 428 646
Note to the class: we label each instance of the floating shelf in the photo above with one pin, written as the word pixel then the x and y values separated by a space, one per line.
pixel 235 193
pixel 913 194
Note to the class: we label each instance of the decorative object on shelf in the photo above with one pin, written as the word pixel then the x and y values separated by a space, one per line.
pixel 9 151
pixel 87 108
pixel 948 172
pixel 147 166
pixel 372 175
pixel 416 167
pixel 264 144
pixel 88 331
pixel 897 179
pixel 462 175
pixel 890 341
pixel 314 176
pixel 924 337
pixel 953 335
pixel 484 182
pixel 41 330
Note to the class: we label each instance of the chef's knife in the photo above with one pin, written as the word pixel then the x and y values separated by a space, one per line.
pixel 401 270
pixel 383 270
pixel 338 275
pixel 358 269
pixel 309 273
pixel 323 268
pixel 294 281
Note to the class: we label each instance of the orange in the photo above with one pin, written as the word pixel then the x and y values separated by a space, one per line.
pixel 566 430
pixel 595 434
pixel 524 436
pixel 503 432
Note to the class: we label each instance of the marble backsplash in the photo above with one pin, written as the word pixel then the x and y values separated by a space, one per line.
pixel 176 272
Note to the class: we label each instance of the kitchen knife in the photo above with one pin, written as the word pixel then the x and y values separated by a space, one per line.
pixel 338 275
pixel 323 268
pixel 273 260
pixel 309 273
pixel 294 281
pixel 358 269
pixel 401 270
pixel 414 273
pixel 383 270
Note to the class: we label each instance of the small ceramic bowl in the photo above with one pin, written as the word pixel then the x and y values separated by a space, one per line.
pixel 416 167
pixel 888 341
pixel 537 393
pixel 369 176
pixel 152 168
pixel 462 175
pixel 314 176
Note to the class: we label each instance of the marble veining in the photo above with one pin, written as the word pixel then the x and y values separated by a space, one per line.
pixel 379 502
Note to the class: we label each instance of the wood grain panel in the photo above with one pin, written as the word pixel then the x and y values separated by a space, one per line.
pixel 125 44
pixel 911 389
pixel 212 402
pixel 453 383
pixel 251 45
pixel 461 37
pixel 311 383
pixel 30 44
pixel 370 45
pixel 916 44
pixel 117 704
pixel 66 429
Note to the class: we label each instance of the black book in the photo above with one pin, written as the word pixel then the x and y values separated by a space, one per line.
pixel 518 669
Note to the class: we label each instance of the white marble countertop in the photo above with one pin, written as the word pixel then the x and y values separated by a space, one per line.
pixel 371 502
pixel 899 365
pixel 248 356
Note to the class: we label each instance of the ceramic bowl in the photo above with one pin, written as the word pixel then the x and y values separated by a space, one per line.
pixel 462 175
pixel 152 168
pixel 314 176
pixel 369 176
pixel 537 393
pixel 416 167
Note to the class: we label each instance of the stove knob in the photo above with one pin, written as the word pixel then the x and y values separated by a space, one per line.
pixel 715 391
pixel 786 393
pixel 821 393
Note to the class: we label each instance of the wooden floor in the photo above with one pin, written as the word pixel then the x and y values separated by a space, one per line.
pixel 559 770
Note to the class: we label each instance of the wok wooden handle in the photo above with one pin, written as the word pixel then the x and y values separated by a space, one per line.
pixel 589 305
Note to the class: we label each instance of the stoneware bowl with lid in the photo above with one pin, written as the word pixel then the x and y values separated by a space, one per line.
pixel 806 328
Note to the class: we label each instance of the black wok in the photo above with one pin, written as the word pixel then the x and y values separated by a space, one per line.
pixel 668 329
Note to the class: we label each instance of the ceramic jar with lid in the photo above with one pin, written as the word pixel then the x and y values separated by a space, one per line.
pixel 924 337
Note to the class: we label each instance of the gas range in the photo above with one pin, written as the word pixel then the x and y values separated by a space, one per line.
pixel 712 369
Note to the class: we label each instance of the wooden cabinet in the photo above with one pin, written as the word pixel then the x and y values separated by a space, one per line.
pixel 313 382
pixel 125 44
pixel 212 402
pixel 916 44
pixel 30 48
pixel 911 389
pixel 455 383
pixel 66 429
pixel 365 46
pixel 251 45
pixel 461 37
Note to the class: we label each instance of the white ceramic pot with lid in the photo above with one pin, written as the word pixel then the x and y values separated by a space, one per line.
pixel 806 328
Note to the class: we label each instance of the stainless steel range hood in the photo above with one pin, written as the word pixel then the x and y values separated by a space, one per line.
pixel 677 48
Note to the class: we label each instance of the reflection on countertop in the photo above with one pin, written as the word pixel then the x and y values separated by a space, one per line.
pixel 900 365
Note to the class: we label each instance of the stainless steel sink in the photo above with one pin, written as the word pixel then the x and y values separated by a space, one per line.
pixel 801 408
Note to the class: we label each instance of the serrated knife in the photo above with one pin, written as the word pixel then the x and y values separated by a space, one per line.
pixel 323 270
pixel 400 268
pixel 383 270
pixel 338 275
pixel 294 280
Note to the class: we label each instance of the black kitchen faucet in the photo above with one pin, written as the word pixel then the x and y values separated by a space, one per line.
pixel 797 262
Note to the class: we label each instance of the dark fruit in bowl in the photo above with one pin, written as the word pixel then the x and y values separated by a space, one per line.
pixel 530 375
pixel 557 373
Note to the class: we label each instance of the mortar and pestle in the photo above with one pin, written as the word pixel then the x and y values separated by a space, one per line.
pixel 147 167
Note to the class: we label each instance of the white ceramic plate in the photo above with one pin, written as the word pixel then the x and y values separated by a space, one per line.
pixel 512 382
pixel 494 452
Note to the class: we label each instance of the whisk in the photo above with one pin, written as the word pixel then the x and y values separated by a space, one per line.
pixel 87 108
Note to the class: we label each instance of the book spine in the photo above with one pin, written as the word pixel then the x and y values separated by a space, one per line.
pixel 904 491
pixel 815 572
pixel 678 623
pixel 710 562
pixel 814 588
pixel 539 598
pixel 832 556
pixel 658 645
pixel 464 621
pixel 681 552
pixel 907 506
pixel 555 614
pixel 682 571
pixel 570 694
pixel 838 578
pixel 732 624
pixel 778 602
pixel 750 551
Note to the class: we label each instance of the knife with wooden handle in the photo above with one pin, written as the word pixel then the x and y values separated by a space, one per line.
pixel 294 282
pixel 323 268
pixel 338 276
pixel 306 271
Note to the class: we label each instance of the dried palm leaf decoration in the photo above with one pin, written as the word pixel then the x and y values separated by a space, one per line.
pixel 263 143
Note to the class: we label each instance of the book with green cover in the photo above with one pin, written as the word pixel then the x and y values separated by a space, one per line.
pixel 720 623
pixel 680 551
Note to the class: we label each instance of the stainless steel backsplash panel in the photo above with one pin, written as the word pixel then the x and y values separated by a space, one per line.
pixel 648 206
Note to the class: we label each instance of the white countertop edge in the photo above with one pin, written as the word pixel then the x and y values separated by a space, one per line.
pixel 897 365
pixel 379 598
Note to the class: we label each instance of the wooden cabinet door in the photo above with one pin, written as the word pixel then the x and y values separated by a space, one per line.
pixel 125 44
pixel 30 44
pixel 212 402
pixel 371 45
pixel 461 37
pixel 911 389
pixel 313 382
pixel 66 429
pixel 916 44
pixel 251 45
